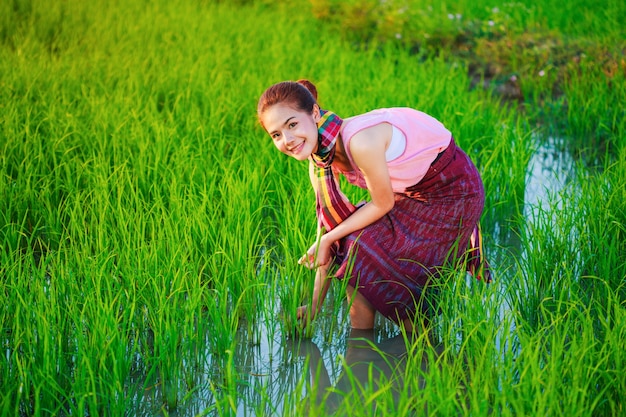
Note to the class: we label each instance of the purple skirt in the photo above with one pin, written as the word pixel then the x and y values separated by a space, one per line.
pixel 392 261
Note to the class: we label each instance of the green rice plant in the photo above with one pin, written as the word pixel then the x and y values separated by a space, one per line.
pixel 177 349
pixel 604 225
pixel 36 358
pixel 606 313
pixel 472 329
pixel 595 118
pixel 105 345
pixel 565 359
pixel 503 170
pixel 225 391
pixel 550 261
pixel 73 340
pixel 245 249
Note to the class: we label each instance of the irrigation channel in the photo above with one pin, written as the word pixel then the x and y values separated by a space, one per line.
pixel 275 369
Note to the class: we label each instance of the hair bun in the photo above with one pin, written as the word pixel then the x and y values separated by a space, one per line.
pixel 309 86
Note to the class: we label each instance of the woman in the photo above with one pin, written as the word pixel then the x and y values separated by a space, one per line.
pixel 426 198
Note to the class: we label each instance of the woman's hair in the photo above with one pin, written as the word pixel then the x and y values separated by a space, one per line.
pixel 301 95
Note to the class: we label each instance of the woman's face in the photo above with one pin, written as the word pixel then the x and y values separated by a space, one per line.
pixel 293 132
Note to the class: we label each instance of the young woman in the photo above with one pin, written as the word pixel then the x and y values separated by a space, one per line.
pixel 426 198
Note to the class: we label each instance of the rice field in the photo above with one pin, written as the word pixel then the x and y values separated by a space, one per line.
pixel 149 231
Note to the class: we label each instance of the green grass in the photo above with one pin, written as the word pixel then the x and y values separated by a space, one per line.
pixel 149 231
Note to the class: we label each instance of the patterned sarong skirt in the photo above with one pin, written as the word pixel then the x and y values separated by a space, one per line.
pixel 393 261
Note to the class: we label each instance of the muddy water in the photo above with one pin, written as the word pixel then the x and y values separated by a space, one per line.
pixel 273 369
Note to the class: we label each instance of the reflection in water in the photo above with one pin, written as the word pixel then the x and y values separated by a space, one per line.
pixel 326 376
pixel 356 363
pixel 369 367
pixel 365 362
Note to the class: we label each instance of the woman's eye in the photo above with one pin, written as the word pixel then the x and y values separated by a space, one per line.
pixel 292 125
pixel 275 136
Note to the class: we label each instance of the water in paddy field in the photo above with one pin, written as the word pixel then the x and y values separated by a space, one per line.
pixel 549 172
pixel 271 367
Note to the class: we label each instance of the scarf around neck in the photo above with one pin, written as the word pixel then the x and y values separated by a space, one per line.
pixel 332 206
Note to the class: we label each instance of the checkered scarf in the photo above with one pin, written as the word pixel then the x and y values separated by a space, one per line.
pixel 332 206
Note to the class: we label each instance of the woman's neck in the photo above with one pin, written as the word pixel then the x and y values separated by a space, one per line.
pixel 341 160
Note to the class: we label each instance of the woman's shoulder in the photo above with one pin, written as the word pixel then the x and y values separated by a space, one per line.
pixel 388 114
pixel 402 117
pixel 354 124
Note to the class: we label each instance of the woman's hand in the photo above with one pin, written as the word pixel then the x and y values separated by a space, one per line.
pixel 318 254
pixel 305 314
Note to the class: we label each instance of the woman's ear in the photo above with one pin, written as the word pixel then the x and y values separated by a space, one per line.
pixel 317 114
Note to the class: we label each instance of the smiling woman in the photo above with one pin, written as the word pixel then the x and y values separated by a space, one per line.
pixel 426 198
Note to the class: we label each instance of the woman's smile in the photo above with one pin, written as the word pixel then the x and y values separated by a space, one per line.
pixel 297 148
pixel 293 132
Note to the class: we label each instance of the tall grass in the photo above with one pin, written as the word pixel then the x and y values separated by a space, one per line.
pixel 149 231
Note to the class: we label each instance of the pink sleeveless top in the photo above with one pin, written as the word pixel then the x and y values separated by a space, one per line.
pixel 425 136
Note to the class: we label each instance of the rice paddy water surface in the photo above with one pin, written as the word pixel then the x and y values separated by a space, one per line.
pixel 149 231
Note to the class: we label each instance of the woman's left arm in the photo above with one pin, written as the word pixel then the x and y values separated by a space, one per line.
pixel 368 152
